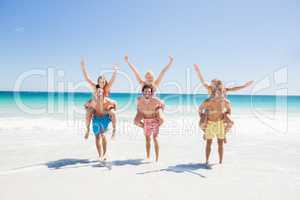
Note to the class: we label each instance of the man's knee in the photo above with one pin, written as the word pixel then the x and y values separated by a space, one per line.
pixel 148 139
pixel 208 142
pixel 103 136
pixel 97 139
pixel 220 142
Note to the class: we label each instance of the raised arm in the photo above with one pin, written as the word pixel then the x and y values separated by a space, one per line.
pixel 237 88
pixel 163 71
pixel 200 76
pixel 135 71
pixel 113 77
pixel 85 74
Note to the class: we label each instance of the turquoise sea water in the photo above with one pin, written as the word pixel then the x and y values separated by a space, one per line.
pixel 13 103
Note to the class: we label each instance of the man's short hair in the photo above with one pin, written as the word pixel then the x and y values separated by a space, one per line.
pixel 146 87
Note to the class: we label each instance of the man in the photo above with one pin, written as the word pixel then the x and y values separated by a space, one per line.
pixel 216 107
pixel 150 108
pixel 101 120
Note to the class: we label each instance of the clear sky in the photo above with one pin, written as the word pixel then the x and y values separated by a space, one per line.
pixel 233 40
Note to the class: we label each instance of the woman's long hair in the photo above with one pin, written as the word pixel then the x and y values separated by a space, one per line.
pixel 105 87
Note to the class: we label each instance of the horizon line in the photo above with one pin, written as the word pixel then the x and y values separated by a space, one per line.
pixel 84 92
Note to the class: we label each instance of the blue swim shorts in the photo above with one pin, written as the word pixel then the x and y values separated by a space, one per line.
pixel 100 124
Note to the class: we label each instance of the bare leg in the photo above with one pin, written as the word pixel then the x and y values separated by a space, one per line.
pixel 148 146
pixel 225 140
pixel 98 145
pixel 208 149
pixel 228 125
pixel 203 121
pixel 220 150
pixel 156 147
pixel 88 118
pixel 113 117
pixel 104 145
pixel 160 119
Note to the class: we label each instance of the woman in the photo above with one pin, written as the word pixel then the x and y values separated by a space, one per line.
pixel 100 109
pixel 149 80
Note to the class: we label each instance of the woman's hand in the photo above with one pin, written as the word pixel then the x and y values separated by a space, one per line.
pixel 197 67
pixel 126 59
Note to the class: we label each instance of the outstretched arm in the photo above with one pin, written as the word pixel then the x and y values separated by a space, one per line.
pixel 85 74
pixel 237 88
pixel 163 71
pixel 200 76
pixel 113 77
pixel 135 71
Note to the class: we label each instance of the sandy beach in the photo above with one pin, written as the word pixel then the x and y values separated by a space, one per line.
pixel 49 159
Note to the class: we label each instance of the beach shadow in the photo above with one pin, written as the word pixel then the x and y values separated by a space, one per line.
pixel 182 168
pixel 77 163
pixel 110 164
pixel 134 162
pixel 66 163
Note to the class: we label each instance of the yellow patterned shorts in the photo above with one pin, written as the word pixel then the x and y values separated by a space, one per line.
pixel 215 129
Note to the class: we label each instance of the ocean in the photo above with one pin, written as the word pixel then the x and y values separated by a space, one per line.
pixel 53 104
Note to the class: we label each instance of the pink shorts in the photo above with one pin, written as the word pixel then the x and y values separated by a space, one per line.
pixel 151 126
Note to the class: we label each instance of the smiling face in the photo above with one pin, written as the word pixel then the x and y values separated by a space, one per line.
pixel 149 77
pixel 102 81
pixel 147 92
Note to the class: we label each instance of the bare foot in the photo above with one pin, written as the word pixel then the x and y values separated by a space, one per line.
pixel 104 157
pixel 207 165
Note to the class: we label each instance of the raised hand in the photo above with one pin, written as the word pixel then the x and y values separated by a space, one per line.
pixel 126 59
pixel 82 62
pixel 171 58
pixel 197 67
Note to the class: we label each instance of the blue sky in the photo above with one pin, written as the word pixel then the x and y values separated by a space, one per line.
pixel 233 40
